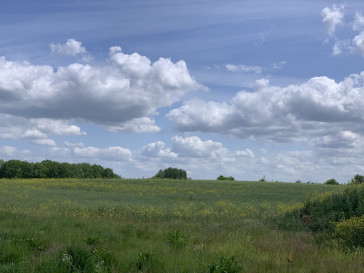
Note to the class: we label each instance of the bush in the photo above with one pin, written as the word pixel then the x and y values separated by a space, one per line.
pixel 323 212
pixel 76 259
pixel 351 231
pixel 221 177
pixel 176 239
pixel 358 179
pixel 171 173
pixel 146 261
pixel 331 181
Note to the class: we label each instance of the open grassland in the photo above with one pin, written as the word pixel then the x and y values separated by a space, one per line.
pixel 159 226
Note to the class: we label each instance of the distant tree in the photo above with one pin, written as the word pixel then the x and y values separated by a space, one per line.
pixel 97 171
pixel 358 179
pixel 171 173
pixel 221 177
pixel 331 181
pixel 53 169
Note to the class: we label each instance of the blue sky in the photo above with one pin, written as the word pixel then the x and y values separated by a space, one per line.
pixel 241 88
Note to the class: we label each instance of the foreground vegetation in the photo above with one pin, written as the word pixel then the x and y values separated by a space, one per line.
pixel 115 225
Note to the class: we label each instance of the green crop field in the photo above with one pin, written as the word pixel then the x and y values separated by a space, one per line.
pixel 149 225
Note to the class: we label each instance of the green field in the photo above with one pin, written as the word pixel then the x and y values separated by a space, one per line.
pixel 150 225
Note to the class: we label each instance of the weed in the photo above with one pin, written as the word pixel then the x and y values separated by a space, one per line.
pixel 225 265
pixel 76 259
pixel 93 240
pixel 176 239
pixel 146 261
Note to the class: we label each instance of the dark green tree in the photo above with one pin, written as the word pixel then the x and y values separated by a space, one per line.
pixel 331 181
pixel 53 169
pixel 171 173
pixel 221 177
pixel 358 179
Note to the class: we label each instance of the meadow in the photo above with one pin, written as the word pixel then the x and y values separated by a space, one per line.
pixel 151 225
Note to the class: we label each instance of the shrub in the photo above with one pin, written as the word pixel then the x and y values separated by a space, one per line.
pixel 331 181
pixel 351 231
pixel 76 259
pixel 225 265
pixel 221 177
pixel 176 239
pixel 93 240
pixel 358 179
pixel 146 261
pixel 321 213
pixel 171 173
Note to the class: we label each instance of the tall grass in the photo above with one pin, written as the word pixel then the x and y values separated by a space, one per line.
pixel 128 226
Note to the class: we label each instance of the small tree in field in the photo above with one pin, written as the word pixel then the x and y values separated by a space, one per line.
pixel 331 181
pixel 171 173
pixel 221 177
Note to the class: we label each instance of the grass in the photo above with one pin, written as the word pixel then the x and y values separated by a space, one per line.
pixel 128 226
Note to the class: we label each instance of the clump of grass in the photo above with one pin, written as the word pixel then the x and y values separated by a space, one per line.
pixel 78 259
pixel 146 261
pixel 93 240
pixel 176 239
pixel 225 265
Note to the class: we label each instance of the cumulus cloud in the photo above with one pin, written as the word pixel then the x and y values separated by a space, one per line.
pixel 121 96
pixel 244 68
pixel 332 17
pixel 192 153
pixel 157 149
pixel 35 130
pixel 194 147
pixel 111 153
pixel 9 152
pixel 71 48
pixel 294 113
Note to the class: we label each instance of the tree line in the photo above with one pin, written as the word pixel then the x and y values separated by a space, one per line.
pixel 53 169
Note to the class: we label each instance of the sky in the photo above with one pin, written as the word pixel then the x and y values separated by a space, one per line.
pixel 248 89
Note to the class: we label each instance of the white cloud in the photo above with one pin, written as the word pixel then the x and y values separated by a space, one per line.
pixel 359 21
pixel 279 65
pixel 194 147
pixel 201 158
pixel 332 17
pixel 45 142
pixel 35 130
pixel 71 47
pixel 156 149
pixel 294 113
pixel 121 96
pixel 358 41
pixel 9 152
pixel 136 125
pixel 109 154
pixel 341 46
pixel 245 153
pixel 244 68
